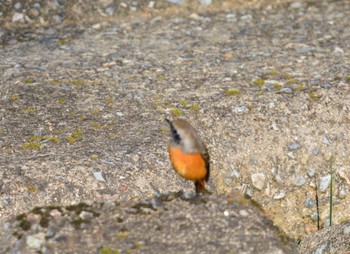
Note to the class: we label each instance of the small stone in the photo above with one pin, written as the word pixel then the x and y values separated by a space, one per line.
pixel 324 182
pixel 35 241
pixel 311 172
pixel 178 2
pixel 271 105
pixel 234 173
pixel 205 2
pixel 57 18
pixel 279 195
pixel 299 181
pixel 309 203
pixel 296 5
pixel 338 50
pixel 241 109
pixel 18 6
pixel 110 10
pixel 84 215
pixel 286 90
pixel 321 249
pixel 151 4
pixel 100 176
pixel 346 230
pixel 326 85
pixel 314 216
pixel 315 151
pixel 258 180
pixel 294 146
pixel 342 194
pixel 325 141
pixel 243 213
pixel 228 181
pixel 18 17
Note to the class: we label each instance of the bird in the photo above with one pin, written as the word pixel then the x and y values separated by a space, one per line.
pixel 188 154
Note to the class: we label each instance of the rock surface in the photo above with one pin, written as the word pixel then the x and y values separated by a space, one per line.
pixel 166 224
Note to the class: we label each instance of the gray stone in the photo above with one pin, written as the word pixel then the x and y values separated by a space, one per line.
pixel 100 176
pixel 294 146
pixel 324 182
pixel 286 90
pixel 315 151
pixel 18 17
pixel 325 141
pixel 35 241
pixel 311 172
pixel 279 195
pixel 299 180
pixel 309 203
pixel 258 180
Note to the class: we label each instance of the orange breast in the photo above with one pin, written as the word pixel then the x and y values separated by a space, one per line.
pixel 190 166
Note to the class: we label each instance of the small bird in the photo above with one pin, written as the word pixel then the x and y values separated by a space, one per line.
pixel 188 154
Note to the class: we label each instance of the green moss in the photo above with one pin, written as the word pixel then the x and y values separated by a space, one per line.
pixel 292 81
pixel 121 235
pixel 259 82
pixel 23 222
pixel 277 86
pixel 29 80
pixel 31 146
pixel 108 250
pixel 109 100
pixel 300 88
pixel 183 103
pixel 163 129
pixel 347 79
pixel 14 97
pixel 62 41
pixel 76 135
pixel 176 112
pixel 273 73
pixel 313 96
pixel 32 189
pixel 55 140
pixel 195 107
pixel 28 110
pixel 231 92
pixel 161 77
pixel 96 125
pixel 287 76
pixel 94 157
pixel 61 100
pixel 78 82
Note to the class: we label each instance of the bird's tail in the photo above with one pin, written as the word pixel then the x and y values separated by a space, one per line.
pixel 200 186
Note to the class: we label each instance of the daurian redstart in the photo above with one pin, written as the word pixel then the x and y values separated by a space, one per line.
pixel 188 154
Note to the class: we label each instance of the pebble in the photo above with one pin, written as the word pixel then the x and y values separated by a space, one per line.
pixel 325 141
pixel 205 2
pixel 18 17
pixel 84 215
pixel 279 195
pixel 314 216
pixel 178 2
pixel 258 180
pixel 309 203
pixel 228 181
pixel 315 151
pixel 18 6
pixel 311 172
pixel 324 182
pixel 100 176
pixel 35 241
pixel 294 146
pixel 286 90
pixel 299 180
pixel 243 213
pixel 346 230
pixel 241 109
pixel 234 172
pixel 322 248
pixel 296 5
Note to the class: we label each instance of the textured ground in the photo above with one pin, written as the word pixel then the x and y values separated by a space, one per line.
pixel 82 106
